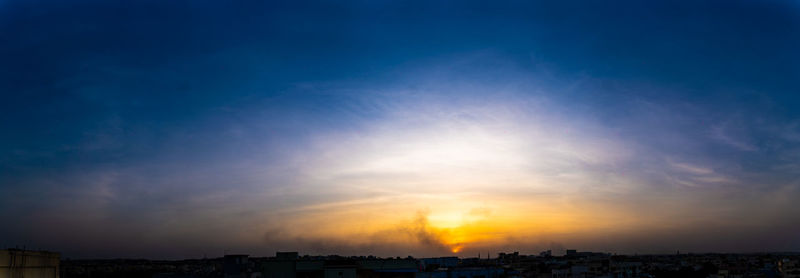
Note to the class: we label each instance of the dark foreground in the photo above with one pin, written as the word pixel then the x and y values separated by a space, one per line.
pixel 505 265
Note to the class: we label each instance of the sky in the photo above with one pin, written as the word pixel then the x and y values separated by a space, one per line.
pixel 184 129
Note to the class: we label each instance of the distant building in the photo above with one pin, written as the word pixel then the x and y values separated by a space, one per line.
pixel 16 263
pixel 283 266
pixel 236 266
pixel 286 255
pixel 441 262
pixel 572 252
pixel 508 257
pixel 547 253
pixel 789 268
pixel 340 268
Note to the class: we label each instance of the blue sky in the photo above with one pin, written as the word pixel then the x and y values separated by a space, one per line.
pixel 152 129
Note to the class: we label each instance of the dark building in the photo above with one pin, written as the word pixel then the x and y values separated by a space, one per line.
pixel 236 266
pixel 289 265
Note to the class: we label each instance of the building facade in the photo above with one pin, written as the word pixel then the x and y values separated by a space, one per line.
pixel 17 263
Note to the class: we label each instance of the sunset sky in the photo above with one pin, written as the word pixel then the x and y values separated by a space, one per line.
pixel 183 129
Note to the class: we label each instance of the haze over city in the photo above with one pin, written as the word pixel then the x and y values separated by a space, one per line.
pixel 185 129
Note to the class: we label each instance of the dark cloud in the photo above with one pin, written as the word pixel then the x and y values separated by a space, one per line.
pixel 413 237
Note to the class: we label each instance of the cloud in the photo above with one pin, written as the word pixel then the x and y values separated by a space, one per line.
pixel 692 169
pixel 694 175
pixel 723 135
pixel 414 236
pixel 425 234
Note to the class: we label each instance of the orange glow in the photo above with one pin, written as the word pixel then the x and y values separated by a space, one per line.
pixel 453 225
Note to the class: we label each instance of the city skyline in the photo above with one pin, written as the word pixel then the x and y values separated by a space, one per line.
pixel 179 129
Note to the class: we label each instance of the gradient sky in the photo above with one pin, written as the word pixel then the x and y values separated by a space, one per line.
pixel 183 129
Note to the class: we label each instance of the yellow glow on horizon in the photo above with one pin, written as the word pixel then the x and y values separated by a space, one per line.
pixel 483 179
pixel 440 229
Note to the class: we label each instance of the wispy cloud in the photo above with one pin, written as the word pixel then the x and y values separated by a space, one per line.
pixel 723 135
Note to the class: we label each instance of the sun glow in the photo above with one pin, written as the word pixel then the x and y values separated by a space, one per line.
pixel 473 178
